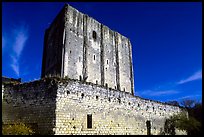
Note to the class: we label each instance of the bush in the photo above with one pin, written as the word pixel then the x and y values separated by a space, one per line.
pixel 17 129
pixel 182 122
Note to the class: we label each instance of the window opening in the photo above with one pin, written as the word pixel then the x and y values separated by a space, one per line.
pixel 94 35
pixel 148 124
pixel 106 85
pixel 82 95
pixel 89 121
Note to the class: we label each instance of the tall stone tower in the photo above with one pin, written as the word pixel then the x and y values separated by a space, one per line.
pixel 79 47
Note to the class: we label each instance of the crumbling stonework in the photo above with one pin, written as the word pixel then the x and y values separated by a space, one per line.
pixel 62 107
pixel 79 47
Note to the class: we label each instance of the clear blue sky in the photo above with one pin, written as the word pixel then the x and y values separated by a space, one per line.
pixel 166 42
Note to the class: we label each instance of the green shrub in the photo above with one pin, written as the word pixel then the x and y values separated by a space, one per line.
pixel 17 129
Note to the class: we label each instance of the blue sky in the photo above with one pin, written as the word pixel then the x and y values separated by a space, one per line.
pixel 166 42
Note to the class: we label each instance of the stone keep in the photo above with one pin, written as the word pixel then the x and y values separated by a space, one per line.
pixel 79 47
pixel 92 56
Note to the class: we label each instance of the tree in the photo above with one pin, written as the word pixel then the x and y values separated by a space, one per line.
pixel 191 123
pixel 188 103
pixel 174 103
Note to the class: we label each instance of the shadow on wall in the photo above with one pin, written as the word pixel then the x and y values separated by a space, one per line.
pixel 33 104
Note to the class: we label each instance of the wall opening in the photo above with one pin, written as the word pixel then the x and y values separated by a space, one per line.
pixel 107 61
pixel 96 81
pixel 82 95
pixel 119 101
pixel 89 121
pixel 80 78
pixel 94 35
pixel 106 85
pixel 124 89
pixel 94 57
pixel 109 99
pixel 70 51
pixel 148 124
pixel 96 97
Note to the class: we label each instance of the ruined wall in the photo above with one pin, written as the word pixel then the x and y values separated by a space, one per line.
pixel 63 105
pixel 113 111
pixel 31 103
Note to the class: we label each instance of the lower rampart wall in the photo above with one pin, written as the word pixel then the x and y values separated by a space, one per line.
pixel 63 106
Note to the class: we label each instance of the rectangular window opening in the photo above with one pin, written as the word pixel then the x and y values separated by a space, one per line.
pixel 89 121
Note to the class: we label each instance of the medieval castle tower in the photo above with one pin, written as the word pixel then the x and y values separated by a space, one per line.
pixel 97 98
pixel 79 47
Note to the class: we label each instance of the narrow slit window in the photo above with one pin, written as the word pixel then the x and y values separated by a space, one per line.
pixel 107 61
pixel 89 121
pixel 94 35
pixel 94 57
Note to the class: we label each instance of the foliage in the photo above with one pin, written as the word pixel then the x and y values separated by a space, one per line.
pixel 17 129
pixel 191 123
pixel 169 127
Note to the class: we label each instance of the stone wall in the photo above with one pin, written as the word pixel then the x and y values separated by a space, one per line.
pixel 74 41
pixel 31 103
pixel 88 51
pixel 62 107
pixel 109 57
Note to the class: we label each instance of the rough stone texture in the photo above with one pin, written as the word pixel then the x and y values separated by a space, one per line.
pixel 30 103
pixel 61 107
pixel 79 47
pixel 109 57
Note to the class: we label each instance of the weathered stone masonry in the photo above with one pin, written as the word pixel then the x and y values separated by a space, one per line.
pixel 80 47
pixel 97 97
pixel 61 107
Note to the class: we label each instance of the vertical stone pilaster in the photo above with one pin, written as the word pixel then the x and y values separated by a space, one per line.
pixel 117 61
pixel 84 71
pixel 102 57
pixel 63 53
pixel 131 67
